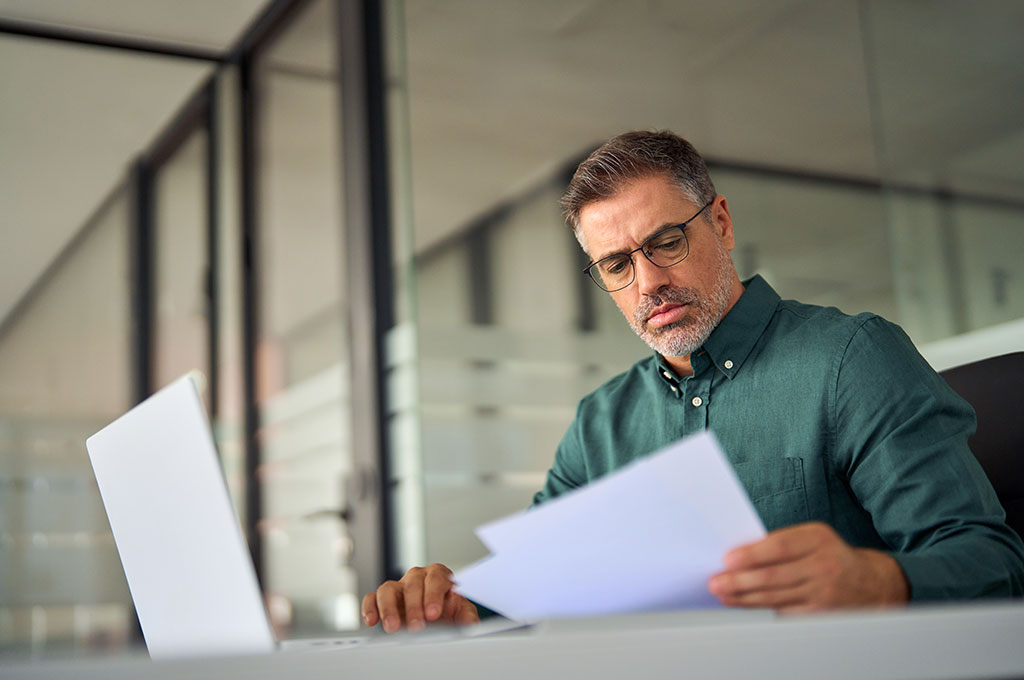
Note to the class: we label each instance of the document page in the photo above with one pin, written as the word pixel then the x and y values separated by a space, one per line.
pixel 647 537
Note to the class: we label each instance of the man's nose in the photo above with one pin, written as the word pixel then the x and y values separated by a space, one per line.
pixel 650 278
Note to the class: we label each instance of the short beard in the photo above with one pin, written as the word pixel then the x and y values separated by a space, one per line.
pixel 686 336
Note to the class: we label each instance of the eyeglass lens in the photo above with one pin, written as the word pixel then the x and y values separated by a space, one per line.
pixel 666 248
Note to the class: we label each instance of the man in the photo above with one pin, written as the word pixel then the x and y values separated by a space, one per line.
pixel 853 450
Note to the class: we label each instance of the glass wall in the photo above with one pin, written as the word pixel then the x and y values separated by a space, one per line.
pixel 858 175
pixel 302 380
pixel 869 151
pixel 947 106
pixel 181 262
pixel 66 372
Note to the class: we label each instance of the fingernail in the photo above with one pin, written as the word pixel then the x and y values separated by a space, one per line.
pixel 433 611
pixel 415 624
pixel 366 619
pixel 391 624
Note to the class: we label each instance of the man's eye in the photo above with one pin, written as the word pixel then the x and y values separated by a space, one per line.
pixel 614 266
pixel 668 244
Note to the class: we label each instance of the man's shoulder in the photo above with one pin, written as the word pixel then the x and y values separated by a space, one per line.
pixel 798 318
pixel 814 335
pixel 622 385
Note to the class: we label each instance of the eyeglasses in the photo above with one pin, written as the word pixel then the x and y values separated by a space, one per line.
pixel 664 249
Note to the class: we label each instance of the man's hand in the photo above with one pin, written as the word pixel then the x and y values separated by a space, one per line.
pixel 805 568
pixel 423 595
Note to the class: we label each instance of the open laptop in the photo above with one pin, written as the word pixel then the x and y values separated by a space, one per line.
pixel 189 571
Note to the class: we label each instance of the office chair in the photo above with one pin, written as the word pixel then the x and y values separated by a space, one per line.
pixel 995 388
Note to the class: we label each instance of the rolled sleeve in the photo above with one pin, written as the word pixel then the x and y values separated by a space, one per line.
pixel 901 436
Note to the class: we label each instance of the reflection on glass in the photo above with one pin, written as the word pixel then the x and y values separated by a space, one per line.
pixel 180 254
pixel 64 359
pixel 301 377
pixel 947 110
pixel 922 228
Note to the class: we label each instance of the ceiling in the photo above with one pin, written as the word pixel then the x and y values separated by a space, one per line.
pixel 82 113
pixel 502 94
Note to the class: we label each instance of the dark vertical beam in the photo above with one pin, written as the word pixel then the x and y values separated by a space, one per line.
pixel 142 279
pixel 250 307
pixel 952 257
pixel 481 274
pixel 212 124
pixel 586 308
pixel 364 153
pixel 140 186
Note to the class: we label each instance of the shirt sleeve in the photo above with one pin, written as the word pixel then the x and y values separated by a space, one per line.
pixel 901 438
pixel 568 471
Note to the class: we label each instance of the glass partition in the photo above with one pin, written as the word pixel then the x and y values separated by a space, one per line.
pixel 854 178
pixel 947 96
pixel 181 262
pixel 65 367
pixel 302 385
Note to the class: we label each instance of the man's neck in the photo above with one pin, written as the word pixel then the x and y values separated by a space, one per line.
pixel 679 365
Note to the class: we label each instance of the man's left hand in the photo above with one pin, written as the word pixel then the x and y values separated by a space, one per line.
pixel 805 568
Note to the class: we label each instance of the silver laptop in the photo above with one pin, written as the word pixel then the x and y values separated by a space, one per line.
pixel 189 571
pixel 186 562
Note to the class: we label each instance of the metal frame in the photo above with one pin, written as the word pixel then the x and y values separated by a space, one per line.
pixel 196 114
pixel 274 19
pixel 364 152
pixel 79 37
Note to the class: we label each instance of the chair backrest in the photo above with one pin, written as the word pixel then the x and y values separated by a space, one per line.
pixel 995 388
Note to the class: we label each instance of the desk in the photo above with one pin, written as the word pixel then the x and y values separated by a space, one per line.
pixel 974 640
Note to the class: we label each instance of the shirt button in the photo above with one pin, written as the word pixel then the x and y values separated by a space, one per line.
pixel 697 401
pixel 728 363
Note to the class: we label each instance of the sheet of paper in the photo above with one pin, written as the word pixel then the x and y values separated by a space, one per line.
pixel 645 538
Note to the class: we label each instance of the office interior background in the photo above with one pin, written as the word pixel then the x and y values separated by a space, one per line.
pixel 345 213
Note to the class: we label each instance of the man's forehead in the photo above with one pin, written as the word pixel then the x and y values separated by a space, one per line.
pixel 637 210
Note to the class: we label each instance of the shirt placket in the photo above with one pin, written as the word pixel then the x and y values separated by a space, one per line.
pixel 691 396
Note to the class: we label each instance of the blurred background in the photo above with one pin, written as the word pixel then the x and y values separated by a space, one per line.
pixel 345 213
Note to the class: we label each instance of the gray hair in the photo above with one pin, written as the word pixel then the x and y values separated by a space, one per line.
pixel 631 156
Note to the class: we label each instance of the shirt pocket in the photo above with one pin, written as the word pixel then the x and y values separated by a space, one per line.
pixel 777 490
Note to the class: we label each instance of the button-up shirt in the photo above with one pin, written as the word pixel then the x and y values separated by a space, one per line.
pixel 825 417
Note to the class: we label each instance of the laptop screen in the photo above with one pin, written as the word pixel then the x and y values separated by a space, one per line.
pixel 186 562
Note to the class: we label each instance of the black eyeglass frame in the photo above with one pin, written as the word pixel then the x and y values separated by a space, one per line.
pixel 642 249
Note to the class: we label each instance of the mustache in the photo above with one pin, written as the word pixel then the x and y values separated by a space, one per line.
pixel 679 296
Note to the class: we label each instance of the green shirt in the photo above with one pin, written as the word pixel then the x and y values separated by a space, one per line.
pixel 824 417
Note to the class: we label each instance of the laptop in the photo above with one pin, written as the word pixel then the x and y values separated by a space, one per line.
pixel 186 562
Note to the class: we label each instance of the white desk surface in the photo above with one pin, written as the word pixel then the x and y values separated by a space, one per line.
pixel 971 640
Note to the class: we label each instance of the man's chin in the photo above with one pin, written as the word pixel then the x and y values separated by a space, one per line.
pixel 670 344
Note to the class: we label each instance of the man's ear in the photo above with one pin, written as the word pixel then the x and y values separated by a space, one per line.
pixel 721 221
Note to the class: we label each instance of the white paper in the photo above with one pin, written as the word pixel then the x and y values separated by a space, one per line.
pixel 647 537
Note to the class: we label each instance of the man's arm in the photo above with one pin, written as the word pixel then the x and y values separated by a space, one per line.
pixel 906 458
pixel 901 444
pixel 805 568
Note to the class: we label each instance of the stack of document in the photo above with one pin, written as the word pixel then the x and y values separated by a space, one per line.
pixel 645 538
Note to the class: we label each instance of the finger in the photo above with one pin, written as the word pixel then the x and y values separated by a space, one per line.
pixel 783 545
pixel 370 614
pixel 774 577
pixel 791 598
pixel 466 614
pixel 452 602
pixel 412 586
pixel 436 587
pixel 389 604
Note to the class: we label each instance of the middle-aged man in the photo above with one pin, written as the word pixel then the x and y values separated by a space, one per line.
pixel 853 450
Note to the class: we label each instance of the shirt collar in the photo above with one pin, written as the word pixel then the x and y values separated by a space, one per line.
pixel 735 336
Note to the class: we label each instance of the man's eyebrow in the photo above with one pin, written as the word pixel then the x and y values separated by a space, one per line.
pixel 654 231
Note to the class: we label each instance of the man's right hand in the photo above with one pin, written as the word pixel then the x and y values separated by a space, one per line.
pixel 423 595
